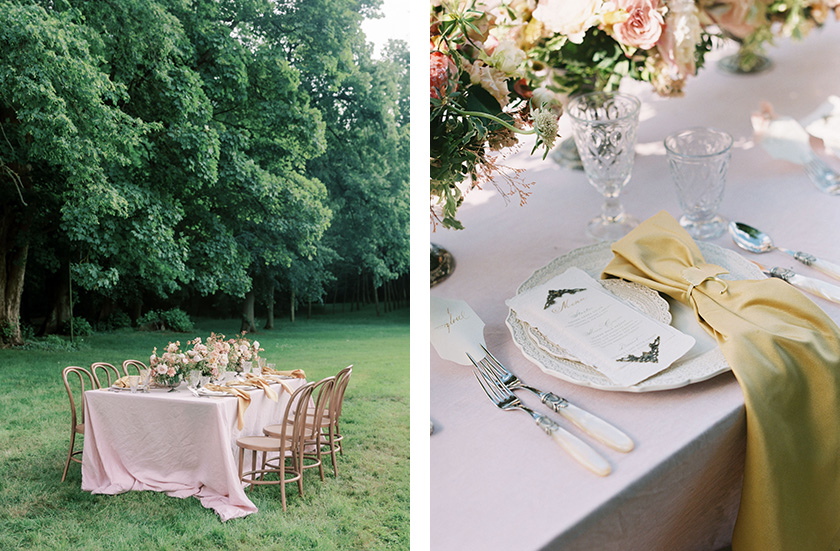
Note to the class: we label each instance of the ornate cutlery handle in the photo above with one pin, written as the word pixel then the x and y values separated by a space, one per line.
pixel 574 446
pixel 591 424
pixel 826 267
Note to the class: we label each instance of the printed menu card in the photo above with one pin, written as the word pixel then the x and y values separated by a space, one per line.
pixel 575 312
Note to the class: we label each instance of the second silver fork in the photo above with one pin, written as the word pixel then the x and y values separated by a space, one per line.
pixel 592 425
pixel 504 399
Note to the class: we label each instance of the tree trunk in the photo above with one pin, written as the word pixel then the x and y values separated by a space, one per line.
pixel 269 318
pixel 292 306
pixel 248 325
pixel 12 270
pixel 309 309
pixel 61 310
pixel 375 297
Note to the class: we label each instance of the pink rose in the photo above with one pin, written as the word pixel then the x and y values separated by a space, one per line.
pixel 736 17
pixel 643 27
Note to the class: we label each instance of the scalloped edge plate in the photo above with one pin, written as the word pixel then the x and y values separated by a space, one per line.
pixel 702 362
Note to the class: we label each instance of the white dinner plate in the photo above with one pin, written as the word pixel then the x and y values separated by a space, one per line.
pixel 702 362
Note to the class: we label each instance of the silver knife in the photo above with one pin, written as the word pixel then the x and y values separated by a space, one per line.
pixel 826 267
pixel 813 286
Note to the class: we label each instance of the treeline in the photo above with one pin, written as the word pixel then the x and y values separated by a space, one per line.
pixel 205 153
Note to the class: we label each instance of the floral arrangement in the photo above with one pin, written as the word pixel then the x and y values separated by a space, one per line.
pixel 170 366
pixel 212 357
pixel 497 66
pixel 243 350
pixel 479 105
pixel 756 23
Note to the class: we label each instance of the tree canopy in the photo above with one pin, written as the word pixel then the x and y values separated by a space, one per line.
pixel 158 149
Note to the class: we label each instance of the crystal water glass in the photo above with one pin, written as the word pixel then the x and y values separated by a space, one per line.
pixel 604 126
pixel 145 379
pixel 698 159
pixel 195 378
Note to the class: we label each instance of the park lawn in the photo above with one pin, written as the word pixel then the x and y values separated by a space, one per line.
pixel 367 507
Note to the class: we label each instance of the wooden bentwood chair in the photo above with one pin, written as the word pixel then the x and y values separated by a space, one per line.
pixel 316 415
pixel 330 441
pixel 109 371
pixel 76 427
pixel 137 365
pixel 335 437
pixel 289 446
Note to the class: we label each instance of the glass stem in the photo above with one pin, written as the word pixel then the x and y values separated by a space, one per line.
pixel 612 209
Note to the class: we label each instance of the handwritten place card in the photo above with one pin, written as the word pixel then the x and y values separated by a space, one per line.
pixel 575 312
pixel 456 330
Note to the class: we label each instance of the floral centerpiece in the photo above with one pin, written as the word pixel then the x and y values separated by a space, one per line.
pixel 242 350
pixel 754 24
pixel 479 105
pixel 211 357
pixel 168 368
pixel 499 67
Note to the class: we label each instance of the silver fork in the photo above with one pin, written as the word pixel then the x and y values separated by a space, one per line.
pixel 592 425
pixel 505 400
pixel 822 175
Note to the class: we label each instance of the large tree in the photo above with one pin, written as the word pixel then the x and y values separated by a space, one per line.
pixel 62 131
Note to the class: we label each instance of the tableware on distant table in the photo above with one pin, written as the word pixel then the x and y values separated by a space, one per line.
pixel 133 382
pixel 505 400
pixel 145 379
pixel 702 362
pixel 698 159
pixel 755 241
pixel 590 424
pixel 195 378
pixel 246 367
pixel 203 380
pixel 604 126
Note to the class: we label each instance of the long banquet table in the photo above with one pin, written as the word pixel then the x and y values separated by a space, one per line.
pixel 496 481
pixel 173 442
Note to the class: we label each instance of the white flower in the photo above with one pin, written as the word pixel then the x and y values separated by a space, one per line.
pixel 545 122
pixel 508 58
pixel 568 17
pixel 546 99
pixel 491 79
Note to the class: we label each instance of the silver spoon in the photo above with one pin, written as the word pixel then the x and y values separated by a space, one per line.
pixel 756 241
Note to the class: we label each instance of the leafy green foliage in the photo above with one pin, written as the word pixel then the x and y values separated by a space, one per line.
pixel 80 327
pixel 164 148
pixel 169 320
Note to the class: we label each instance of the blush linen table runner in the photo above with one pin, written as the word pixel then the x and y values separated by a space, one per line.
pixel 785 353
pixel 174 443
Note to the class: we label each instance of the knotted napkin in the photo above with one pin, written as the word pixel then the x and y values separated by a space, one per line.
pixel 242 397
pixel 266 386
pixel 296 373
pixel 785 353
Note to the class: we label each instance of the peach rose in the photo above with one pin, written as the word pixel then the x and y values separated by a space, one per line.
pixel 643 26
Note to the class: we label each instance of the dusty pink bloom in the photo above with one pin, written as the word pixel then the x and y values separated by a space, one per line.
pixel 643 27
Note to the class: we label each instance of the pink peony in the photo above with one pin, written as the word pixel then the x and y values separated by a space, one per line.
pixel 643 27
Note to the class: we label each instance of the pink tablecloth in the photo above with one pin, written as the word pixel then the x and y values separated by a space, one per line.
pixel 174 443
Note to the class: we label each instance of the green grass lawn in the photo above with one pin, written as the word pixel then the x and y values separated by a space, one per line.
pixel 367 507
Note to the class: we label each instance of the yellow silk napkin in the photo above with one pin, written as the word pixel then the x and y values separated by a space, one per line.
pixel 265 385
pixel 242 397
pixel 785 353
pixel 123 382
pixel 297 373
